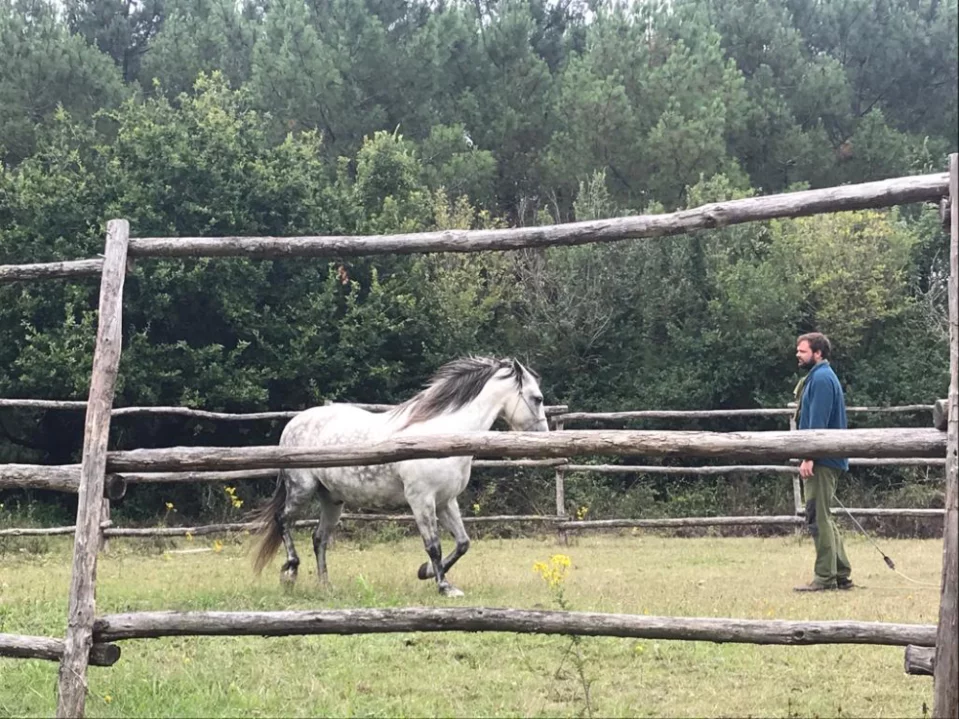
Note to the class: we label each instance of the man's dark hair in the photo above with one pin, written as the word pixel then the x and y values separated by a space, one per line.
pixel 818 342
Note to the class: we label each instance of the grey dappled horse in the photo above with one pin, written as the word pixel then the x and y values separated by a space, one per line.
pixel 465 395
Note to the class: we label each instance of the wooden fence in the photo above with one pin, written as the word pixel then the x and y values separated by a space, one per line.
pixel 67 478
pixel 85 632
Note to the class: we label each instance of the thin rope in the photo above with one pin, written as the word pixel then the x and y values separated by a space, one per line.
pixel 886 558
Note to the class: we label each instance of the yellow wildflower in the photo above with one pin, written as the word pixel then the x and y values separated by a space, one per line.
pixel 217 545
pixel 553 573
pixel 234 500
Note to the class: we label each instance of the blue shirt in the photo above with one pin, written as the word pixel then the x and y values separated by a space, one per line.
pixel 823 406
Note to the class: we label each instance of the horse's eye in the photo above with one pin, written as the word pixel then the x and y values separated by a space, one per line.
pixel 537 400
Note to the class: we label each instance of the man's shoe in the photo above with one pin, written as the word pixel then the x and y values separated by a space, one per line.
pixel 813 587
pixel 845 584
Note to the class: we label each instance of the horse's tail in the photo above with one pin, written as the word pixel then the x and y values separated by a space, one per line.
pixel 267 517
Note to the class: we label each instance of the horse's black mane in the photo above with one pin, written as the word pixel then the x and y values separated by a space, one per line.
pixel 456 384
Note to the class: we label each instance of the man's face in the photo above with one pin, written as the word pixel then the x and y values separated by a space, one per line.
pixel 807 358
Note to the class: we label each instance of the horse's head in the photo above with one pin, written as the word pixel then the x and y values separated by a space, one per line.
pixel 523 407
pixel 478 389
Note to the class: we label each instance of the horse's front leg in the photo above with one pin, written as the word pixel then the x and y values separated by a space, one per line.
pixel 424 512
pixel 449 516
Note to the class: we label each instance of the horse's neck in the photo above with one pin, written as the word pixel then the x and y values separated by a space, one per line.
pixel 477 416
pixel 474 417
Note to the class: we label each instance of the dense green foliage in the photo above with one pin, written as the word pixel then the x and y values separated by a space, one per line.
pixel 208 117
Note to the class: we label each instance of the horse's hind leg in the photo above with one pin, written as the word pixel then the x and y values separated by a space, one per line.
pixel 449 516
pixel 299 487
pixel 329 515
pixel 291 566
pixel 424 511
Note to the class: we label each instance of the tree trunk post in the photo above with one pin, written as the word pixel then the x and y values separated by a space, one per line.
pixel 560 480
pixel 797 485
pixel 72 683
pixel 946 682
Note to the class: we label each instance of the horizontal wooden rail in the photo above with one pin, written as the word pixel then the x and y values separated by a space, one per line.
pixel 70 404
pixel 66 477
pixel 560 522
pixel 115 627
pixel 30 647
pixel 920 660
pixel 659 469
pixel 904 461
pixel 37 531
pixel 882 193
pixel 560 412
pixel 674 414
pixel 299 524
pixel 717 413
pixel 55 477
pixel 507 463
pixel 897 442
pixel 667 522
pixel 890 511
pixel 721 469
pixel 70 269
pixel 271 473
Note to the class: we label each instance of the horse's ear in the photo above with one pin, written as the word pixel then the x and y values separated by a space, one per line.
pixel 518 371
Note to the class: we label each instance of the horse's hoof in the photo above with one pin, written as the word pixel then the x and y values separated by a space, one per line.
pixel 424 571
pixel 451 591
pixel 288 578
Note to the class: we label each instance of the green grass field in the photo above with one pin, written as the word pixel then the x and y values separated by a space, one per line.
pixel 455 674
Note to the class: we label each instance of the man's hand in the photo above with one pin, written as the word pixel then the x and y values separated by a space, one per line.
pixel 805 469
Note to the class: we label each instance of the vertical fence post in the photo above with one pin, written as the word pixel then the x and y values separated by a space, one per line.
pixel 797 484
pixel 946 681
pixel 560 480
pixel 72 682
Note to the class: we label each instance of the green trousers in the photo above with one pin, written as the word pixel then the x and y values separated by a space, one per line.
pixel 831 562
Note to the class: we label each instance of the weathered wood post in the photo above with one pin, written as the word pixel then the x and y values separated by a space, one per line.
pixel 946 682
pixel 920 660
pixel 797 484
pixel 560 480
pixel 72 684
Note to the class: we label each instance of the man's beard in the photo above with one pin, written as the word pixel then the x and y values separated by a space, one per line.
pixel 807 364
